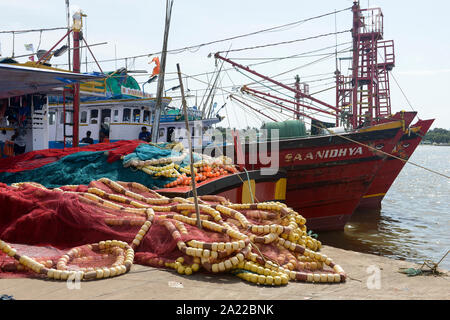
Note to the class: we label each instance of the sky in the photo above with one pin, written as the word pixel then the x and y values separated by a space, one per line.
pixel 420 30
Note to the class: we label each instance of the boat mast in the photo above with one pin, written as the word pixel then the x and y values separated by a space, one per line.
pixel 77 25
pixel 370 91
pixel 337 72
pixel 68 36
pixel 297 97
pixel 158 107
pixel 355 33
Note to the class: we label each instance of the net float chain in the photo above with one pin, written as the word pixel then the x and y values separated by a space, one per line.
pixel 123 263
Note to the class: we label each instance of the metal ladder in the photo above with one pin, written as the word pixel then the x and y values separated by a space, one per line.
pixel 67 137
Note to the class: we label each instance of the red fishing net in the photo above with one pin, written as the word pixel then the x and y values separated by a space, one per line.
pixel 38 158
pixel 100 230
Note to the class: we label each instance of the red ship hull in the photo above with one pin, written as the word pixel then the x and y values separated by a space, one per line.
pixel 328 175
pixel 392 167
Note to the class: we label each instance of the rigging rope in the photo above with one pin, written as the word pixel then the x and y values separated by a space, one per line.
pixel 33 30
pixel 398 85
pixel 198 46
pixel 386 153
pixel 286 42
pixel 404 95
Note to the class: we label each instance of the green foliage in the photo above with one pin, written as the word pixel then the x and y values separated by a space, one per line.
pixel 438 135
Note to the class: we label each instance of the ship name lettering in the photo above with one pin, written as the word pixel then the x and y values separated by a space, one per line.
pixel 356 150
pixel 324 154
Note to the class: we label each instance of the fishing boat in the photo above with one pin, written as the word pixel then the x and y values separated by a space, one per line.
pixel 24 90
pixel 393 166
pixel 115 108
pixel 330 174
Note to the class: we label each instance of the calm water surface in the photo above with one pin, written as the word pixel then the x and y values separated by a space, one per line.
pixel 414 221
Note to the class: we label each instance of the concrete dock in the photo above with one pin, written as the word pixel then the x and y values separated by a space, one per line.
pixel 371 277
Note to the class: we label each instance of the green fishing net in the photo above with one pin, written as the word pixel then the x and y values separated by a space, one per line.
pixel 82 168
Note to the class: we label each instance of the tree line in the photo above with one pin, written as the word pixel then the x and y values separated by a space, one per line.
pixel 438 135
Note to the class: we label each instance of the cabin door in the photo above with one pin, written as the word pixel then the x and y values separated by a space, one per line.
pixel 170 134
pixel 105 120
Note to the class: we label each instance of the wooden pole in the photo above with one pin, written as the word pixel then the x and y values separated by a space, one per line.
pixel 160 89
pixel 76 88
pixel 186 120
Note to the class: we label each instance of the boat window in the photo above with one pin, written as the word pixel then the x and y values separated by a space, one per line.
pixel 105 116
pixel 69 117
pixel 170 134
pixel 61 117
pixel 126 115
pixel 136 115
pixel 147 116
pixel 161 132
pixel 94 116
pixel 198 129
pixel 83 118
pixel 51 118
pixel 116 116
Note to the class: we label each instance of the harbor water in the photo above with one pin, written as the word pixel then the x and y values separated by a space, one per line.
pixel 414 221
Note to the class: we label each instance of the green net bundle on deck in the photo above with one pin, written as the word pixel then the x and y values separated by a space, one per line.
pixel 100 230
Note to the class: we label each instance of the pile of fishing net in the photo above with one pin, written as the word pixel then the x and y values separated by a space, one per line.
pixel 172 161
pixel 153 165
pixel 101 230
pixel 38 158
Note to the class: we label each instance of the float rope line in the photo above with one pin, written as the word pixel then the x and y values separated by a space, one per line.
pixel 263 240
pixel 170 167
pixel 289 235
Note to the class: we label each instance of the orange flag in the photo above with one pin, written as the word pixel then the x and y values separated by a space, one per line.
pixel 156 68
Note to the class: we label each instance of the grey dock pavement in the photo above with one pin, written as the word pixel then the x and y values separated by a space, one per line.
pixel 371 277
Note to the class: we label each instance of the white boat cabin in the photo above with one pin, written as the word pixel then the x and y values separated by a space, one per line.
pixel 123 120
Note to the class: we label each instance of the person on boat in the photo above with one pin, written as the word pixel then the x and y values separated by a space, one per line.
pixel 88 138
pixel 104 131
pixel 19 141
pixel 144 134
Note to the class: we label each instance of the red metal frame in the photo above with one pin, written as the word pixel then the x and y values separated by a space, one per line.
pixel 369 94
pixel 297 103
pixel 365 96
pixel 301 94
pixel 279 104
pixel 48 52
pixel 76 86
pixel 64 117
